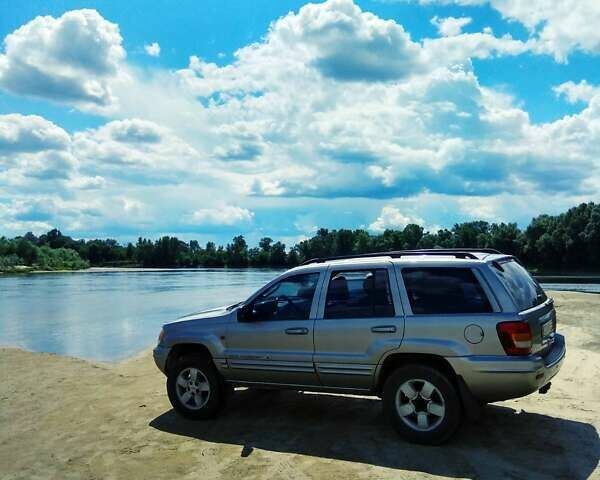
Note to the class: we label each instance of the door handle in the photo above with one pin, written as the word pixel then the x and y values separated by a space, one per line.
pixel 297 331
pixel 384 329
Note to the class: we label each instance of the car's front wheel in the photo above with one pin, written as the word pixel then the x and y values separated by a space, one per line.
pixel 422 404
pixel 195 388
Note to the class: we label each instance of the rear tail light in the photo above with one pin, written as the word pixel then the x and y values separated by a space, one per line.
pixel 515 337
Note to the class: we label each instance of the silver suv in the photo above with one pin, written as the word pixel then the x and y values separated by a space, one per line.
pixel 435 333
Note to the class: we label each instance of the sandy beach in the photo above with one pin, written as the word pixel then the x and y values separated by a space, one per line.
pixel 63 418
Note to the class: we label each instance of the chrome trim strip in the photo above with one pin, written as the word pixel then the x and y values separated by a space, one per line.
pixel 308 388
pixel 345 369
pixel 272 366
pixel 508 371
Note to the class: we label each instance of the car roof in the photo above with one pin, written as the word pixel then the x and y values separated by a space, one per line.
pixel 452 257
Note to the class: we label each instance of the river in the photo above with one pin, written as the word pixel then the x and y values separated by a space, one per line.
pixel 110 315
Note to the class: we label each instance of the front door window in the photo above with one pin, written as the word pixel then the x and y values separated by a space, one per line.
pixel 289 299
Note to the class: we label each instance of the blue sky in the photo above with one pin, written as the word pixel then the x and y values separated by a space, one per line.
pixel 209 119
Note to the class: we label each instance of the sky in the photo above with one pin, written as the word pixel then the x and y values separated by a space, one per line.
pixel 208 119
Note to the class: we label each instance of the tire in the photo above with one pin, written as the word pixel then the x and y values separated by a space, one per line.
pixel 195 388
pixel 422 404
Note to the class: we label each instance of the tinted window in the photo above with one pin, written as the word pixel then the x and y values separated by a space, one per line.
pixel 525 290
pixel 359 294
pixel 289 299
pixel 436 290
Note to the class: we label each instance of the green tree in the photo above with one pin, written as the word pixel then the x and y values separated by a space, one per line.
pixel 237 252
pixel 26 251
pixel 278 257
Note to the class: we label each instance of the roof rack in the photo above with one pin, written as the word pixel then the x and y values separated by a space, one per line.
pixel 467 253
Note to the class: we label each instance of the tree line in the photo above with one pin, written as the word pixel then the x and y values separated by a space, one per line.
pixel 566 242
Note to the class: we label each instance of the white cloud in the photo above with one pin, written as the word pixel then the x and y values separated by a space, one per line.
pixel 391 218
pixel 558 27
pixel 137 150
pixel 30 133
pixel 460 48
pixel 450 26
pixel 316 40
pixel 70 59
pixel 32 149
pixel 152 49
pixel 223 215
pixel 577 92
pixel 39 213
pixel 481 208
pixel 87 183
pixel 131 205
pixel 325 33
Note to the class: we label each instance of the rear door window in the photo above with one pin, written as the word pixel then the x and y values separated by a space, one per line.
pixel 359 294
pixel 524 289
pixel 442 290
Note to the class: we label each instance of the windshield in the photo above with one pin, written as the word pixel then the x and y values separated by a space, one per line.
pixel 525 290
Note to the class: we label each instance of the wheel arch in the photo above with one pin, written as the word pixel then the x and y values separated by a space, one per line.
pixel 397 360
pixel 181 350
pixel 471 406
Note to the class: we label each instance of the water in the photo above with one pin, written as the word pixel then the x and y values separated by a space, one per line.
pixel 112 315
pixel 573 287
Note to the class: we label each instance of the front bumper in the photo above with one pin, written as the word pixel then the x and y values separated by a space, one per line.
pixel 160 354
pixel 496 378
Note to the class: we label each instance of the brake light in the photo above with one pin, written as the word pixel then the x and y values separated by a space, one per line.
pixel 515 337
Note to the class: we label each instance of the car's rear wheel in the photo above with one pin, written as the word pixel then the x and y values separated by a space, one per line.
pixel 195 388
pixel 422 404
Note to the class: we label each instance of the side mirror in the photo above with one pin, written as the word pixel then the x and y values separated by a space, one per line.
pixel 264 309
pixel 258 310
pixel 245 313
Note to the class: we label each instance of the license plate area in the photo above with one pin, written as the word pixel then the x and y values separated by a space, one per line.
pixel 548 330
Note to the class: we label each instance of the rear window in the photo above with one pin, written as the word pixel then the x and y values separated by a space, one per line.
pixel 524 289
pixel 439 290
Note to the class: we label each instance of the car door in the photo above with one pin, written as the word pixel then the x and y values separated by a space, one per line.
pixel 360 318
pixel 272 339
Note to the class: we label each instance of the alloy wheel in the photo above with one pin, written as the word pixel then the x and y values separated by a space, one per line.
pixel 192 387
pixel 420 404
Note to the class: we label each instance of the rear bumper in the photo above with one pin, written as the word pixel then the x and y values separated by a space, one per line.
pixel 160 354
pixel 496 378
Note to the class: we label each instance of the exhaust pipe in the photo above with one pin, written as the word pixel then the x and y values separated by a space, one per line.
pixel 545 388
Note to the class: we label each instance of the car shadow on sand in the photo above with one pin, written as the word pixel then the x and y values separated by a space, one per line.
pixel 503 443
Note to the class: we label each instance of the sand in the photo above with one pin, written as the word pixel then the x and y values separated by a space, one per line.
pixel 64 418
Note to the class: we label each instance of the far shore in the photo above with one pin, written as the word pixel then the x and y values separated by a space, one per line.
pixel 575 277
pixel 133 269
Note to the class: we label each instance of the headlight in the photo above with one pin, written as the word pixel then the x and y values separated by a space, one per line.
pixel 161 335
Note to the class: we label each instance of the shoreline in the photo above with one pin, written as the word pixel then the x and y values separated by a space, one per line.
pixel 567 277
pixel 146 351
pixel 140 269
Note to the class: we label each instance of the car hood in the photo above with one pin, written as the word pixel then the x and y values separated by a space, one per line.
pixel 211 314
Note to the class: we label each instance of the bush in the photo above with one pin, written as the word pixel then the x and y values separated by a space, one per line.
pixel 8 262
pixel 59 259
